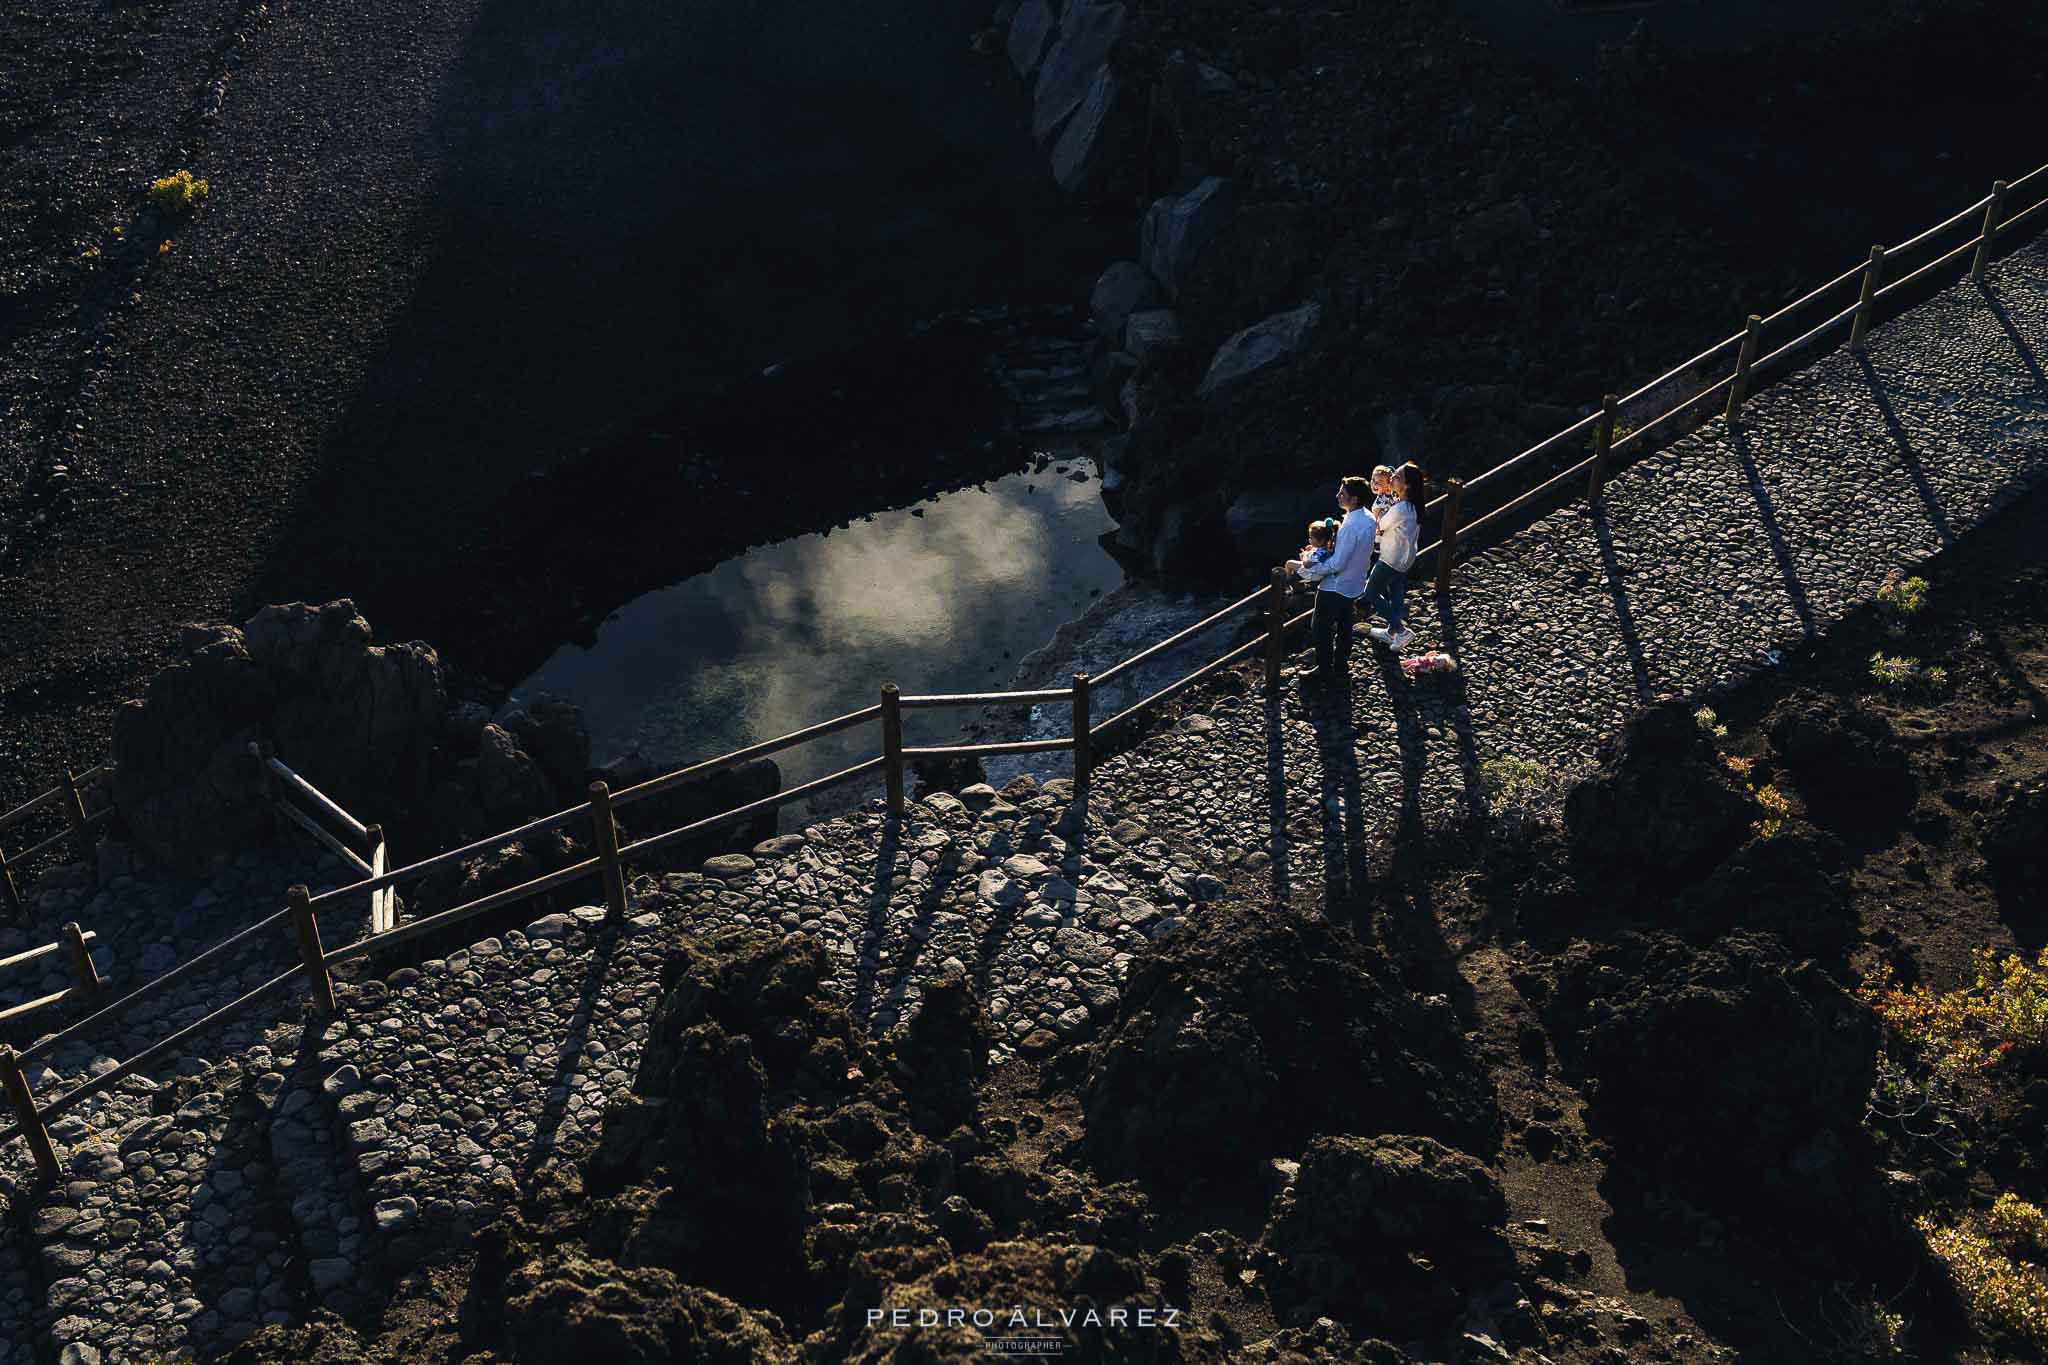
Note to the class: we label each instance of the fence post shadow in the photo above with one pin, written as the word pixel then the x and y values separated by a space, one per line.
pixel 573 1038
pixel 1753 478
pixel 1617 592
pixel 2021 347
pixel 1473 794
pixel 928 904
pixel 1342 797
pixel 884 887
pixel 1907 455
pixel 1278 845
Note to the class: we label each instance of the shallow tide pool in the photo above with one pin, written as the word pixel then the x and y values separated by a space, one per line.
pixel 945 596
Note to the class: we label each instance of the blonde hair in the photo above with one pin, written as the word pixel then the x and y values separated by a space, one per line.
pixel 1320 532
pixel 1383 471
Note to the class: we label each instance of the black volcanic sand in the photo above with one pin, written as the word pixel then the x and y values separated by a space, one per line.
pixel 1642 1113
pixel 447 245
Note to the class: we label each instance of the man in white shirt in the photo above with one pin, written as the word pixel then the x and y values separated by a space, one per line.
pixel 1339 581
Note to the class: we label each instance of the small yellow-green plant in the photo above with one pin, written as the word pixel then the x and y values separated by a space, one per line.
pixel 1777 810
pixel 1897 674
pixel 2004 1297
pixel 2017 1223
pixel 1899 600
pixel 1515 789
pixel 2002 1012
pixel 1863 1327
pixel 177 194
pixel 1711 723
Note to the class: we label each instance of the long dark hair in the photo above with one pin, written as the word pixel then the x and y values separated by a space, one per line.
pixel 1416 482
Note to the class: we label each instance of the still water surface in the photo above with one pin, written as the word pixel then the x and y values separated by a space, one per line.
pixel 945 596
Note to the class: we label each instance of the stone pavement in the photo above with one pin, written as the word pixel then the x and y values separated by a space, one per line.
pixel 311 1162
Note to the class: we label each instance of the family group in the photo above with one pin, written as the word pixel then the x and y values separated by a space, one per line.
pixel 1366 556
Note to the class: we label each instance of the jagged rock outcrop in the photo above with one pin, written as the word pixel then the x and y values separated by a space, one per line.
pixel 1258 348
pixel 1847 763
pixel 1662 809
pixel 303 682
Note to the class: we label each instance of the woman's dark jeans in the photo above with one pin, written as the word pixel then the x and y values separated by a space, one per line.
pixel 1386 592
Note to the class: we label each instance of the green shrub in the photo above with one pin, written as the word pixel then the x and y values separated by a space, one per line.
pixel 1711 723
pixel 2004 1297
pixel 1517 791
pixel 177 194
pixel 1899 600
pixel 1898 674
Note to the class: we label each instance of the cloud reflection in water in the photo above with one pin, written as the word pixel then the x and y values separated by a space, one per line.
pixel 793 633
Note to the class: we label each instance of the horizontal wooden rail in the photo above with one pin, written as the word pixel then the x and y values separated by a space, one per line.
pixel 33 954
pixel 320 800
pixel 1576 429
pixel 1806 336
pixel 151 987
pixel 1943 226
pixel 1473 528
pixel 1670 374
pixel 2034 174
pixel 1641 435
pixel 31 1006
pixel 934 700
pixel 31 806
pixel 157 1049
pixel 766 803
pixel 655 785
pixel 376 943
pixel 1925 270
pixel 326 840
pixel 1242 652
pixel 1178 637
pixel 95 818
pixel 2018 218
pixel 1853 273
pixel 454 855
pixel 1015 746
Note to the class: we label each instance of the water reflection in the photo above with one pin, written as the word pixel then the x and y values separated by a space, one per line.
pixel 943 597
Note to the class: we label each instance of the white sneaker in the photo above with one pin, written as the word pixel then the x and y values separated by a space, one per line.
pixel 1400 638
pixel 1379 635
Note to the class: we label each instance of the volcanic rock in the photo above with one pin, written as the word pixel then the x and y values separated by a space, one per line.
pixel 1662 809
pixel 1847 763
pixel 1258 348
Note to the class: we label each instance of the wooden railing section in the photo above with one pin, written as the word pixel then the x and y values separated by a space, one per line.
pixel 77 828
pixel 611 858
pixel 374 859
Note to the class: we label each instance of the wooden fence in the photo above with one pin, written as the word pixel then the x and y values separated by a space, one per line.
pixel 1086 734
pixel 78 824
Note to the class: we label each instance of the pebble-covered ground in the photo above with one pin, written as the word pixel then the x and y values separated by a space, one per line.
pixel 302 1164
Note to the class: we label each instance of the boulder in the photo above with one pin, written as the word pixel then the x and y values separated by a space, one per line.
pixel 1152 330
pixel 1847 763
pixel 1031 33
pixel 510 787
pixel 552 730
pixel 1177 227
pixel 1088 33
pixel 1392 1231
pixel 1267 525
pixel 1257 349
pixel 1661 809
pixel 1267 1028
pixel 572 1306
pixel 1119 291
pixel 359 721
pixel 1107 375
pixel 189 776
pixel 1088 143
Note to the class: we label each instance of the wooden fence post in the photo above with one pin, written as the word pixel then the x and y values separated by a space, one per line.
pixel 1738 389
pixel 892 745
pixel 1084 759
pixel 1603 441
pixel 11 891
pixel 309 947
pixel 81 958
pixel 1861 325
pixel 25 1109
pixel 605 831
pixel 1447 543
pixel 1276 626
pixel 1991 212
pixel 74 809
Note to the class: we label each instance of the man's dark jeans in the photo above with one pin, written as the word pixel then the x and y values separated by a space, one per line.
pixel 1331 629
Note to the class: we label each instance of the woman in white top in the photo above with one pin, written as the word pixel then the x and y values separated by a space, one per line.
pixel 1400 536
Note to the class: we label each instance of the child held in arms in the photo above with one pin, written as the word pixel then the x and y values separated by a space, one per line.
pixel 1322 543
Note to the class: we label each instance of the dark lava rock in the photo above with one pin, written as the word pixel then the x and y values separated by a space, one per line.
pixel 1716 1068
pixel 943 1052
pixel 552 730
pixel 1846 760
pixel 569 1307
pixel 1388 1231
pixel 2016 845
pixel 1662 809
pixel 510 786
pixel 1059 1293
pixel 1791 885
pixel 1262 1031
